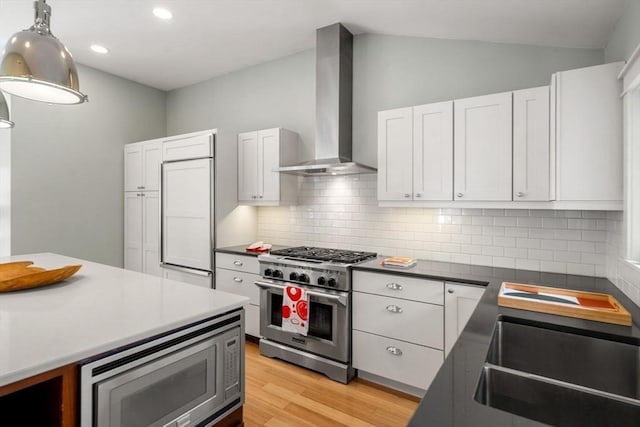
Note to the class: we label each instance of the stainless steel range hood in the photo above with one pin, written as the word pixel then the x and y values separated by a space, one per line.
pixel 334 88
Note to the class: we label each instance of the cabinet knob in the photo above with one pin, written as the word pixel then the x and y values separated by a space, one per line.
pixel 253 197
pixel 459 195
pixel 237 279
pixel 394 309
pixel 450 290
pixel 260 197
pixel 394 286
pixel 519 194
pixel 142 194
pixel 238 263
pixel 394 350
pixel 407 195
pixel 139 187
pixel 418 195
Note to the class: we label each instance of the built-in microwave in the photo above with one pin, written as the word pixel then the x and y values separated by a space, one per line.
pixel 192 377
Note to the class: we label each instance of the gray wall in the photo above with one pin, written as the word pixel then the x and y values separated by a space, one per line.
pixel 67 167
pixel 279 93
pixel 626 35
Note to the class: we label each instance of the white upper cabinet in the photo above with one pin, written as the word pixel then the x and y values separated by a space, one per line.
pixel 483 151
pixel 433 151
pixel 142 166
pixel 531 155
pixel 588 133
pixel 395 154
pixel 260 153
pixel 247 166
pixel 415 153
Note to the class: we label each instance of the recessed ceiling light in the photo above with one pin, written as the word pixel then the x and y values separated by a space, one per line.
pixel 99 49
pixel 162 13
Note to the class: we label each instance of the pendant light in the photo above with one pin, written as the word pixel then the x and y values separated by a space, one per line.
pixel 36 65
pixel 4 113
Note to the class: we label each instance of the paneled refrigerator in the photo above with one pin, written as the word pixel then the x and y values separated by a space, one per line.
pixel 187 208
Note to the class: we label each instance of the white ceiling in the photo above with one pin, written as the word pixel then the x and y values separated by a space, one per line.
pixel 207 38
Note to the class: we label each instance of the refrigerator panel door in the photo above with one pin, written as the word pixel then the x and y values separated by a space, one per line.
pixel 187 213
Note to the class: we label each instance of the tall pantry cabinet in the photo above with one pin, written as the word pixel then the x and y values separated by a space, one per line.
pixel 142 162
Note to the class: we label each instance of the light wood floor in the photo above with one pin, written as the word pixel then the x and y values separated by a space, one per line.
pixel 282 394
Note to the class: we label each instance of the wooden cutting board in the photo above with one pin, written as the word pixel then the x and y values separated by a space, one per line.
pixel 15 276
pixel 564 302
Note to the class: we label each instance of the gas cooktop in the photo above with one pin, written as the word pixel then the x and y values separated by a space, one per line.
pixel 340 256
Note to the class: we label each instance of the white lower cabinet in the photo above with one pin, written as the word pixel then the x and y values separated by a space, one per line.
pixel 460 301
pixel 397 360
pixel 141 244
pixel 236 274
pixel 398 329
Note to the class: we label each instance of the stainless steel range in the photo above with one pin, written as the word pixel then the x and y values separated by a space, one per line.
pixel 326 275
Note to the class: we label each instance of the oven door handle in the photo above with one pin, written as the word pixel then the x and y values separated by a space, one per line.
pixel 341 299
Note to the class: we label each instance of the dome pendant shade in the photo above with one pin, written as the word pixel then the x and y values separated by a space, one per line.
pixel 4 113
pixel 35 65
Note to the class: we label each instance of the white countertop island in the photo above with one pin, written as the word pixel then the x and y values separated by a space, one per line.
pixel 98 309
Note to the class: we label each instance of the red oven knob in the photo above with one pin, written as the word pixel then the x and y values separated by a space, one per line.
pixel 293 276
pixel 332 282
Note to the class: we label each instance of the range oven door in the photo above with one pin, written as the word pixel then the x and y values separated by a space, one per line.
pixel 329 320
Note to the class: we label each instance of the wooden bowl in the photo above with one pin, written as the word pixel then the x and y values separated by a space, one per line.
pixel 15 276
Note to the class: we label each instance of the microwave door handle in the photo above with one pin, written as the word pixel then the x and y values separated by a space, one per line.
pixel 342 300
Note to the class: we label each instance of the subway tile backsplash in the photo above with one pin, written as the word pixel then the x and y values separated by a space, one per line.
pixel 344 212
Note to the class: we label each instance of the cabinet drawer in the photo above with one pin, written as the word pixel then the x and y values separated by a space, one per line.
pixel 246 263
pixel 239 283
pixel 252 320
pixel 416 322
pixel 411 364
pixel 398 286
pixel 187 147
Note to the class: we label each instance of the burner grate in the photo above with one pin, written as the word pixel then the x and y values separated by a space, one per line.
pixel 325 254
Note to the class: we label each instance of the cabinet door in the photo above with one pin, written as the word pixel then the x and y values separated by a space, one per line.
pixel 132 231
pixel 395 154
pixel 187 203
pixel 459 303
pixel 185 147
pixel 433 151
pixel 151 160
pixel 589 134
pixel 482 148
pixel 531 144
pixel 247 166
pixel 151 233
pixel 133 167
pixel 268 160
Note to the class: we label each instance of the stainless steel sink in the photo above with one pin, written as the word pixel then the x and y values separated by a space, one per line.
pixel 561 377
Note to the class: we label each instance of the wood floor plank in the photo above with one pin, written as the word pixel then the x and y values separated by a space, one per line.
pixel 280 394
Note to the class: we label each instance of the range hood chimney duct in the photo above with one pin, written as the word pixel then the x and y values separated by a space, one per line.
pixel 334 100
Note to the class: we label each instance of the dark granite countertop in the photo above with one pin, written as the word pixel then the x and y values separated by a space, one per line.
pixel 241 249
pixel 450 398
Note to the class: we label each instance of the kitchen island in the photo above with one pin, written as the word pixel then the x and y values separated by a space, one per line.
pixel 97 311
pixel 450 399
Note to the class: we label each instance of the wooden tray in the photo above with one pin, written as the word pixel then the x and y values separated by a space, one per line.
pixel 15 276
pixel 564 302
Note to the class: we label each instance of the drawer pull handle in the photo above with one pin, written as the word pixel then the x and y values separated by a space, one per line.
pixel 394 350
pixel 394 286
pixel 237 279
pixel 238 263
pixel 450 290
pixel 394 309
